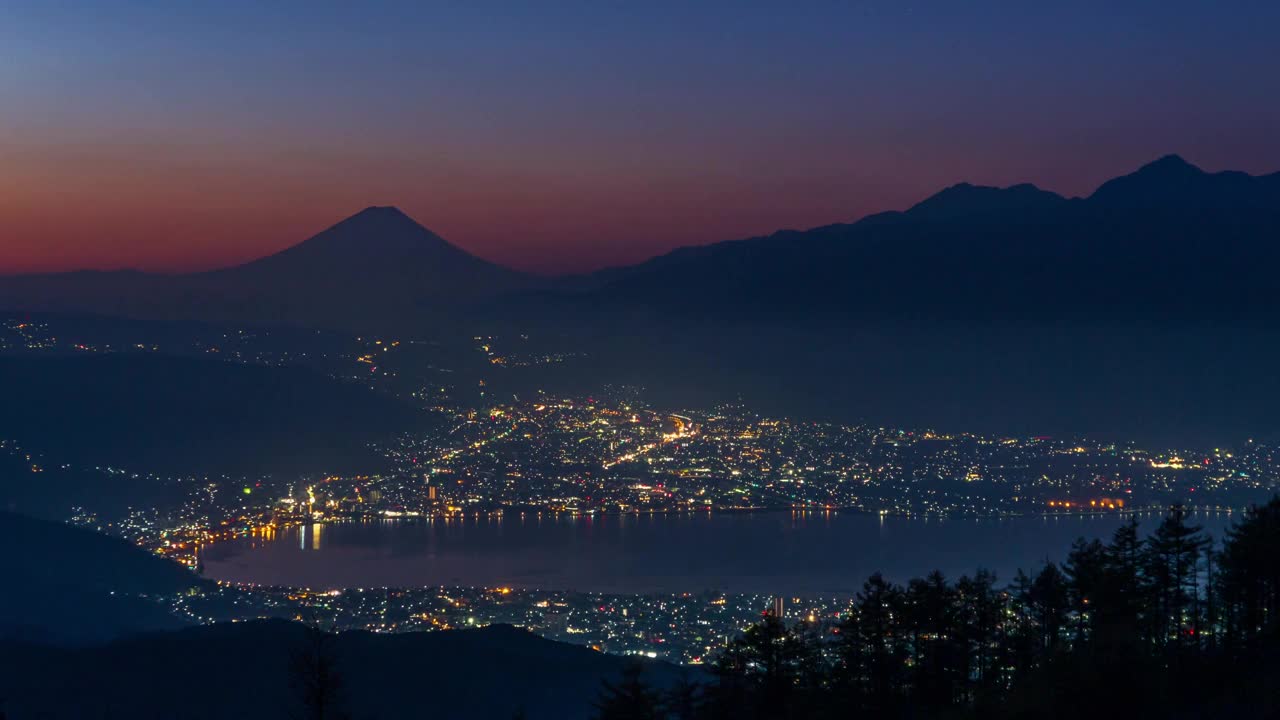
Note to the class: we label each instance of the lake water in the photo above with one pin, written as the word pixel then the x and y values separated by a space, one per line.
pixel 774 552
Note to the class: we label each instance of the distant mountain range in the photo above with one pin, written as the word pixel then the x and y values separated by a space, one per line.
pixel 1168 240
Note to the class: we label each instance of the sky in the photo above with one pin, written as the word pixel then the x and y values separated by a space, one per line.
pixel 560 137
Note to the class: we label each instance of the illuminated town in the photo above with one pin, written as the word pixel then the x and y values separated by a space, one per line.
pixel 639 361
pixel 683 628
pixel 612 453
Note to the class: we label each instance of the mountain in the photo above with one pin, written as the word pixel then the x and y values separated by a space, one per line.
pixel 1168 242
pixel 243 670
pixel 377 269
pixel 1145 311
pixel 158 413
pixel 65 584
pixel 1172 183
pixel 964 202
pixel 374 267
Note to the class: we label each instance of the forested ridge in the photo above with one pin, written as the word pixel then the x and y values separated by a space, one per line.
pixel 1171 625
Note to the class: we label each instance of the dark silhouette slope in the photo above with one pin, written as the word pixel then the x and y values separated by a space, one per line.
pixel 156 413
pixel 68 585
pixel 242 670
pixel 377 269
pixel 1169 242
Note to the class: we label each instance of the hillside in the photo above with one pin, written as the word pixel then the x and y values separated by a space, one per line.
pixel 147 412
pixel 242 670
pixel 69 585
pixel 68 589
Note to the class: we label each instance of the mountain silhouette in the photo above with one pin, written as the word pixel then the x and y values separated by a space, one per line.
pixel 1168 241
pixel 1145 310
pixel 376 245
pixel 965 201
pixel 72 585
pixel 376 269
pixel 1172 183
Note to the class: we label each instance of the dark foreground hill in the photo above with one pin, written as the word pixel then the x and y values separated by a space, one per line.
pixel 243 670
pixel 84 633
pixel 153 413
pixel 64 584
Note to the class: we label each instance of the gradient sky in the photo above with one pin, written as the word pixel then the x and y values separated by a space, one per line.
pixel 564 136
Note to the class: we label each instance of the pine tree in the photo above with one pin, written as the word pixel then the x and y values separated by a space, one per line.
pixel 1119 604
pixel 313 670
pixel 1126 584
pixel 872 649
pixel 629 699
pixel 1173 554
pixel 1048 599
pixel 1086 570
pixel 925 650
pixel 1248 579
pixel 979 621
pixel 684 700
pixel 931 618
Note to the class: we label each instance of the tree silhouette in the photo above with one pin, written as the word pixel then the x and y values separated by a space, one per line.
pixel 930 615
pixel 775 663
pixel 872 650
pixel 980 629
pixel 1046 599
pixel 1248 580
pixel 684 700
pixel 313 672
pixel 1172 565
pixel 630 699
pixel 1114 631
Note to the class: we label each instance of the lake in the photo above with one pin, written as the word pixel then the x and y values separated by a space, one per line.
pixel 769 552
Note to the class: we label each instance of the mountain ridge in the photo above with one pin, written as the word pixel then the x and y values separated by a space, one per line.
pixel 1131 248
pixel 971 248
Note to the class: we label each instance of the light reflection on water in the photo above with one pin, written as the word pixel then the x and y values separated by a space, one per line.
pixel 791 552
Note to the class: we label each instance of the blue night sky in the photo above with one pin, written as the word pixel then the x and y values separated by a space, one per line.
pixel 566 136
